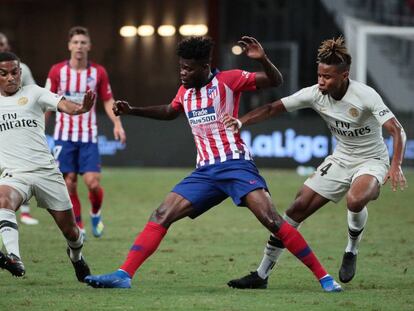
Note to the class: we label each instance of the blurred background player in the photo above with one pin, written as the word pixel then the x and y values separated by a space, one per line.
pixel 224 163
pixel 355 114
pixel 27 166
pixel 27 79
pixel 76 144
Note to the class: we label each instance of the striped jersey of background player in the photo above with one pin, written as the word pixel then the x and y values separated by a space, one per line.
pixel 76 147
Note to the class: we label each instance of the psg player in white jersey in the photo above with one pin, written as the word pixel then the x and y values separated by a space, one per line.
pixel 26 166
pixel 27 79
pixel 76 145
pixel 224 164
pixel 355 115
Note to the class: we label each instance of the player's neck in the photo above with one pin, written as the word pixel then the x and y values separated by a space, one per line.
pixel 78 64
pixel 341 92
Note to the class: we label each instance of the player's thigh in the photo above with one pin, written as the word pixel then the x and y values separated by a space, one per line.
pixel 89 159
pixel 367 179
pixel 66 154
pixel 331 180
pixel 50 191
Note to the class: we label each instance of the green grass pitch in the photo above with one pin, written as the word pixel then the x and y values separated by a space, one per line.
pixel 197 258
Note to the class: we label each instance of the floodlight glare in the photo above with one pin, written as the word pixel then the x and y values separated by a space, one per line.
pixel 145 30
pixel 128 31
pixel 166 30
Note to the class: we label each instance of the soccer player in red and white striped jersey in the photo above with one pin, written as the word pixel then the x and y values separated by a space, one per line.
pixel 224 164
pixel 76 147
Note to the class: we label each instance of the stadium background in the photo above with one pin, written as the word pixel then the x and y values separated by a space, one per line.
pixel 144 71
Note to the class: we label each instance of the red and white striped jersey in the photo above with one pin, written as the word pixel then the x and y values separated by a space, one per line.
pixel 205 108
pixel 73 84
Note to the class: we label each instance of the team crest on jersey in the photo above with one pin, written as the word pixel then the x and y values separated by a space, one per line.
pixel 22 101
pixel 212 92
pixel 353 112
pixel 202 116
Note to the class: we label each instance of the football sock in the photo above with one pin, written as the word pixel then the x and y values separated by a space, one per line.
pixel 297 245
pixel 25 209
pixel 145 244
pixel 356 225
pixel 76 209
pixel 273 250
pixel 96 198
pixel 9 231
pixel 75 248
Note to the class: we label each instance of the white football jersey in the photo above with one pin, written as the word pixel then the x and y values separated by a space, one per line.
pixel 22 129
pixel 356 120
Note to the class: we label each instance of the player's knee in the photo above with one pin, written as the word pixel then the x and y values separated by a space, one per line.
pixel 71 232
pixel 93 184
pixel 354 203
pixel 5 201
pixel 71 184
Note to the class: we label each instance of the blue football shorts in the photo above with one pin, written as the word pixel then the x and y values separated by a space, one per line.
pixel 77 157
pixel 209 185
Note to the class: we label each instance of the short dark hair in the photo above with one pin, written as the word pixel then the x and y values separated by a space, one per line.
pixel 334 52
pixel 8 56
pixel 78 30
pixel 198 48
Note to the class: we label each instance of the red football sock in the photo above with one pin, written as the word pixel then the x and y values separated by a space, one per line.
pixel 76 209
pixel 96 198
pixel 145 244
pixel 297 245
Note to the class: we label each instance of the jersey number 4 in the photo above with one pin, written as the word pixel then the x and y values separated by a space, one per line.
pixel 324 170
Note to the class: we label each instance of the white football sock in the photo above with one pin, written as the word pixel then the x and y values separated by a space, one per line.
pixel 273 250
pixel 75 248
pixel 9 231
pixel 356 225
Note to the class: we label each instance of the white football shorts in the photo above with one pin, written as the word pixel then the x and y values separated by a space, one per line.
pixel 46 185
pixel 333 178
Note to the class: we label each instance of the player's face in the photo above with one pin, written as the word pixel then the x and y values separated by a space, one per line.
pixel 79 46
pixel 331 79
pixel 10 77
pixel 193 73
pixel 4 44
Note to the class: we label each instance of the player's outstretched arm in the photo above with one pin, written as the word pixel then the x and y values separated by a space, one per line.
pixel 255 116
pixel 399 137
pixel 254 50
pixel 73 108
pixel 162 112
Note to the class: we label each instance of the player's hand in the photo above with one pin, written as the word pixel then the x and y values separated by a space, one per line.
pixel 231 122
pixel 121 107
pixel 251 47
pixel 119 133
pixel 397 177
pixel 88 101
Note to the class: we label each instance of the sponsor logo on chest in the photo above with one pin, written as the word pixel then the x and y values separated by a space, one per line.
pixel 202 116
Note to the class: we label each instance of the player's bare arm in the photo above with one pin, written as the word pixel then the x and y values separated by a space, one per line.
pixel 255 116
pixel 399 138
pixel 254 50
pixel 161 112
pixel 119 132
pixel 73 108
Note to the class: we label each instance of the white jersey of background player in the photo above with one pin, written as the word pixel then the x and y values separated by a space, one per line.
pixel 355 115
